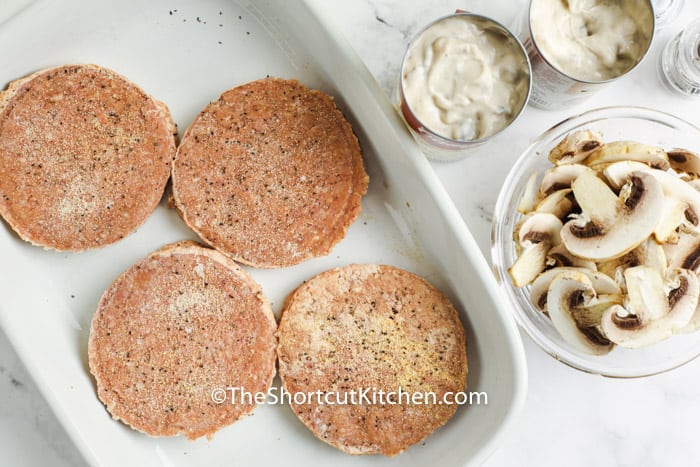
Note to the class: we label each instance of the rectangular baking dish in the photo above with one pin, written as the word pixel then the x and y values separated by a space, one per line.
pixel 186 54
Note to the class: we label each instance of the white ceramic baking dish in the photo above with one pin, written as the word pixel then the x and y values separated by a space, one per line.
pixel 185 54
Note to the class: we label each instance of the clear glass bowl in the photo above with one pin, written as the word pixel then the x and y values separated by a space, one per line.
pixel 615 123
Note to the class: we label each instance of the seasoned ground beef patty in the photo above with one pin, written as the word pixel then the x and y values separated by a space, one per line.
pixel 270 174
pixel 370 326
pixel 177 325
pixel 84 156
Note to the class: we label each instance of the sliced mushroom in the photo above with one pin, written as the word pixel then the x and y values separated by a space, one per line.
pixel 673 185
pixel 651 315
pixel 648 253
pixel 686 254
pixel 602 284
pixel 561 203
pixel 617 174
pixel 559 256
pixel 677 189
pixel 672 214
pixel 592 314
pixel 684 161
pixel 569 292
pixel 575 147
pixel 537 227
pixel 560 177
pixel 672 217
pixel 646 298
pixel 530 196
pixel 538 233
pixel 682 205
pixel 612 225
pixel 617 151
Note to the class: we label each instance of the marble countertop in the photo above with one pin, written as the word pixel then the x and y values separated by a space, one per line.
pixel 570 418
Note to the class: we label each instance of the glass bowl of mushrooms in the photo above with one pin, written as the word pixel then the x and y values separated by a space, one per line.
pixel 596 241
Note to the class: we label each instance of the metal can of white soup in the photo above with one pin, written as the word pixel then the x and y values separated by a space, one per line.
pixel 464 79
pixel 578 47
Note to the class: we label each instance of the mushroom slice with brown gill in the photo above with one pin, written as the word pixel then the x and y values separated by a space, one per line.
pixel 648 253
pixel 561 203
pixel 617 151
pixel 689 197
pixel 651 314
pixel 611 225
pixel 559 256
pixel 537 234
pixel 617 173
pixel 682 201
pixel 560 177
pixel 603 285
pixel 571 291
pixel 575 147
pixel 685 162
pixel 686 254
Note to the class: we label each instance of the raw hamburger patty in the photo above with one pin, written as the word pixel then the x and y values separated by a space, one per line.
pixel 270 173
pixel 84 156
pixel 177 325
pixel 369 326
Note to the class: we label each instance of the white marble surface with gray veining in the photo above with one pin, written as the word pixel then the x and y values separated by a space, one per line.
pixel 570 418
